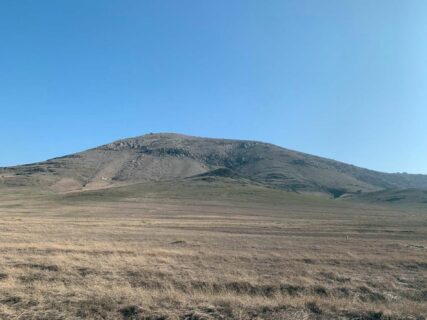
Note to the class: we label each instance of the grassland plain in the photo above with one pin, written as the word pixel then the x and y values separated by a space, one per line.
pixel 197 250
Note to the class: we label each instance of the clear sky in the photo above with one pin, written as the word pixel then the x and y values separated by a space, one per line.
pixel 342 79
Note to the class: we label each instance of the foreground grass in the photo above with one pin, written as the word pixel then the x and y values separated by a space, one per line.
pixel 238 255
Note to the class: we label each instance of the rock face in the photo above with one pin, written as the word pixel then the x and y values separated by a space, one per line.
pixel 164 156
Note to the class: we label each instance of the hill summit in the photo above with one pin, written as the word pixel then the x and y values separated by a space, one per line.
pixel 169 156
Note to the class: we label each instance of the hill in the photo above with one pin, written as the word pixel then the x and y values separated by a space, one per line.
pixel 175 227
pixel 415 198
pixel 167 156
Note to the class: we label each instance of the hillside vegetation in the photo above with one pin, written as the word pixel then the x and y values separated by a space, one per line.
pixel 166 157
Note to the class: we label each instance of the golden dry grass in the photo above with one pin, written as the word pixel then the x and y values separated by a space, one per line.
pixel 157 258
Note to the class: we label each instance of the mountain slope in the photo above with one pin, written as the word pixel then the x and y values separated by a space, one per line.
pixel 164 156
pixel 407 198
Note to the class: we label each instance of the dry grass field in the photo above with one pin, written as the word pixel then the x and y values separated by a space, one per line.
pixel 186 251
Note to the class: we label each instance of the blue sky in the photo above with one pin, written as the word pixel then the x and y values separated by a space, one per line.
pixel 342 79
